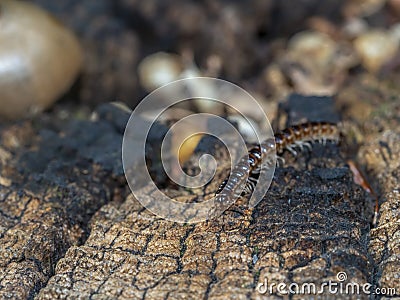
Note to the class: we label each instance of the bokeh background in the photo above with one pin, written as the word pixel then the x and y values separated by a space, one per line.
pixel 270 48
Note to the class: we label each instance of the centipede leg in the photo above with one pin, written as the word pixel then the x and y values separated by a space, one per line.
pixel 291 150
pixel 308 145
pixel 250 184
pixel 299 145
pixel 267 164
pixel 280 161
pixel 291 139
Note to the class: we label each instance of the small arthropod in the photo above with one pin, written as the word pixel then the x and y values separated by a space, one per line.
pixel 233 186
pixel 298 136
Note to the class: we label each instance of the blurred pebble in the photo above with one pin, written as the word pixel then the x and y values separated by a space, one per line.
pixel 248 128
pixel 159 69
pixel 260 116
pixel 202 88
pixel 354 27
pixel 362 8
pixel 185 137
pixel 319 46
pixel 323 25
pixel 395 6
pixel 395 32
pixel 39 59
pixel 375 48
pixel 315 63
pixel 187 148
pixel 4 155
pixel 276 80
pixel 162 68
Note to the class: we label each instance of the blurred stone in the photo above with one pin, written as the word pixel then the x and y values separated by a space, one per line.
pixel 39 59
pixel 316 64
pixel 362 8
pixel 375 48
pixel 313 44
pixel 159 69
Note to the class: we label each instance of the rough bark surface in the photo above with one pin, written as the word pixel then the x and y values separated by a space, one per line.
pixel 52 181
pixel 289 237
pixel 69 230
pixel 312 224
pixel 380 154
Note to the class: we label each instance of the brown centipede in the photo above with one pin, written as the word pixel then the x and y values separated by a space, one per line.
pixel 297 136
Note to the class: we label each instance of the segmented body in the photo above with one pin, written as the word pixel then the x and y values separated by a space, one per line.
pixel 233 186
pixel 293 137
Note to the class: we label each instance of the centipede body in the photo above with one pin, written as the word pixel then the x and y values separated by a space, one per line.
pixel 291 138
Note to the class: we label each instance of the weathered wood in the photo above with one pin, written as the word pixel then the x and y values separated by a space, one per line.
pixel 311 225
pixel 53 181
pixel 380 156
